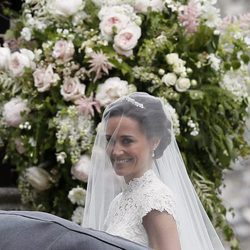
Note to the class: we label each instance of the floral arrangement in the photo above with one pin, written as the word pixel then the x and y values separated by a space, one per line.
pixel 64 61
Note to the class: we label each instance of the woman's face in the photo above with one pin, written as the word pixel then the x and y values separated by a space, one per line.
pixel 129 149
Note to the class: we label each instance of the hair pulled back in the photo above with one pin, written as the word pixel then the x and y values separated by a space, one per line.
pixel 151 118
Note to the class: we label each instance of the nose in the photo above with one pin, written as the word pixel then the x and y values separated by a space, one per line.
pixel 117 149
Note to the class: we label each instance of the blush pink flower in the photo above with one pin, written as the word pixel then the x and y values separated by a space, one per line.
pixel 87 106
pixel 99 64
pixel 189 16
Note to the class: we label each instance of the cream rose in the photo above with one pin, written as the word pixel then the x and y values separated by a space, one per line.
pixel 72 89
pixel 44 78
pixel 65 8
pixel 127 39
pixel 182 84
pixel 38 178
pixel 143 5
pixel 77 195
pixel 4 57
pixel 63 50
pixel 12 111
pixel 169 79
pixel 81 169
pixel 113 22
pixel 112 89
pixel 172 58
pixel 18 61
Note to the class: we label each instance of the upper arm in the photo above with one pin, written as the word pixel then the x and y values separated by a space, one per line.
pixel 161 230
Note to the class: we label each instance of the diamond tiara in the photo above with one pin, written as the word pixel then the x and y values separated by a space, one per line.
pixel 134 102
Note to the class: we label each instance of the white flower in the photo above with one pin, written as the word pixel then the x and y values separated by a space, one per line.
pixel 169 79
pixel 65 8
pixel 38 178
pixel 4 57
pixel 78 215
pixel 143 5
pixel 81 169
pixel 77 195
pixel 60 157
pixel 44 78
pixel 179 68
pixel 26 34
pixel 72 89
pixel 172 58
pixel 126 40
pixel 112 89
pixel 214 61
pixel 114 22
pixel 182 84
pixel 12 111
pixel 19 61
pixel 211 15
pixel 63 50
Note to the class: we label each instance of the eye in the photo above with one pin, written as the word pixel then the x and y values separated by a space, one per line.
pixel 127 141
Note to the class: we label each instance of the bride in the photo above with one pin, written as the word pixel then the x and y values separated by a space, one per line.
pixel 138 186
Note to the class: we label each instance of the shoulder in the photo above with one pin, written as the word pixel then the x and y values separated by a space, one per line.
pixel 157 196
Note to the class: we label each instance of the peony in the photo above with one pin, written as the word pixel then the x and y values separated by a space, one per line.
pixel 65 8
pixel 12 111
pixel 169 79
pixel 38 178
pixel 77 195
pixel 182 84
pixel 81 169
pixel 44 78
pixel 112 89
pixel 72 89
pixel 127 39
pixel 63 50
pixel 113 22
pixel 18 61
pixel 4 57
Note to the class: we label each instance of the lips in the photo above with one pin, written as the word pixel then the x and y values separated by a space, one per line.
pixel 122 161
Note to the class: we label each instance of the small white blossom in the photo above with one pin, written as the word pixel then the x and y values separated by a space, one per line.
pixel 77 196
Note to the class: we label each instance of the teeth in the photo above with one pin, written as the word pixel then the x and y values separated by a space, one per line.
pixel 121 161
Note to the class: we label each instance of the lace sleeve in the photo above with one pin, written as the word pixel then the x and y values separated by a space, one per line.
pixel 158 199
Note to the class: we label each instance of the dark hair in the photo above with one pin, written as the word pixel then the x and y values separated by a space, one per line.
pixel 151 118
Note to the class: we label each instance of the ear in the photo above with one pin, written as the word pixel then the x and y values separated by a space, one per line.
pixel 155 142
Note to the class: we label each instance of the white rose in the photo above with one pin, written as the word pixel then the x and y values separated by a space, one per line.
pixel 72 89
pixel 12 111
pixel 26 33
pixel 172 58
pixel 4 57
pixel 169 79
pixel 77 195
pixel 179 68
pixel 182 84
pixel 78 215
pixel 44 78
pixel 113 22
pixel 38 178
pixel 81 169
pixel 127 39
pixel 63 50
pixel 112 89
pixel 65 8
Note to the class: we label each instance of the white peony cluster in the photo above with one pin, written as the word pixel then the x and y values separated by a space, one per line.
pixel 38 178
pixel 78 215
pixel 177 78
pixel 44 78
pixel 15 63
pixel 120 24
pixel 112 89
pixel 80 170
pixel 13 111
pixel 77 196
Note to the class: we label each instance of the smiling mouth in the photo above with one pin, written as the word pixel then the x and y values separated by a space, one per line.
pixel 121 161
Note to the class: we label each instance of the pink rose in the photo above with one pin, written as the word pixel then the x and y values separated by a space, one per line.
pixel 72 89
pixel 63 50
pixel 81 169
pixel 44 78
pixel 126 40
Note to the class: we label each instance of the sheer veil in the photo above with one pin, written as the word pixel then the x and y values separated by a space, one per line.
pixel 196 232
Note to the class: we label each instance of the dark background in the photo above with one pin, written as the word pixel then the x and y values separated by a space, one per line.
pixel 8 174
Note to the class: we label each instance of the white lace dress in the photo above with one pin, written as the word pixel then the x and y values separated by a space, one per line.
pixel 139 197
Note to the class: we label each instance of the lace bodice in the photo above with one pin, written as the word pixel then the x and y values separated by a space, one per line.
pixel 139 197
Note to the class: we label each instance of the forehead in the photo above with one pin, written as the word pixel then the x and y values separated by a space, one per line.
pixel 123 125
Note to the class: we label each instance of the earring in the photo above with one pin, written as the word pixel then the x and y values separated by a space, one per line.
pixel 153 153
